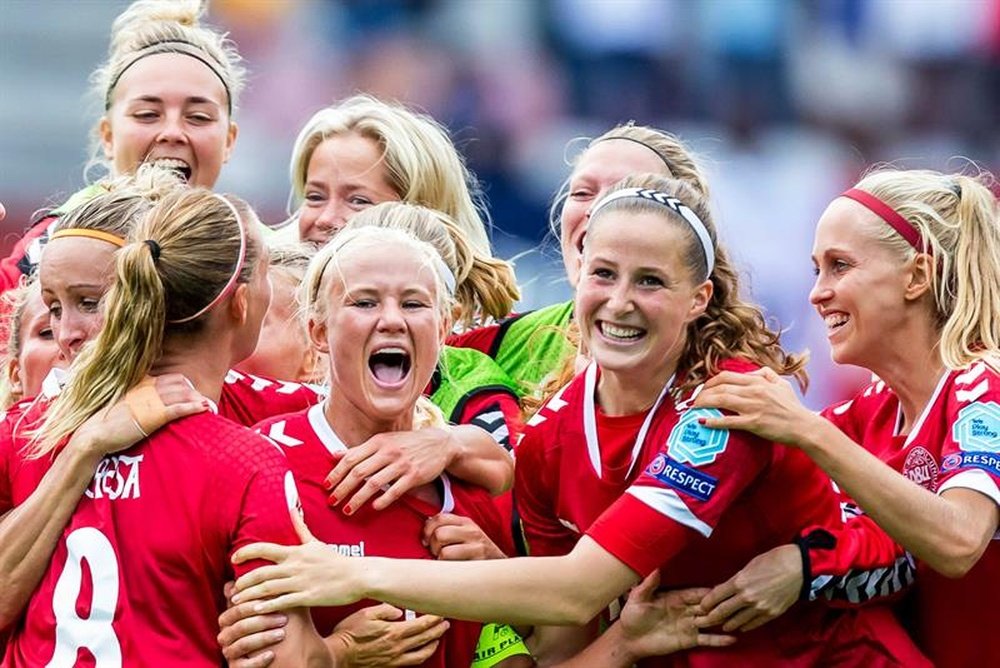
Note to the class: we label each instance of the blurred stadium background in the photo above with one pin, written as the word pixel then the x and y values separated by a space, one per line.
pixel 786 101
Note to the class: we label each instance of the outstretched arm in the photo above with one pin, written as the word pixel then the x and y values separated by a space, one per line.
pixel 541 590
pixel 949 531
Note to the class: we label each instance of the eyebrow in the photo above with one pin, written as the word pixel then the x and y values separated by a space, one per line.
pixel 194 99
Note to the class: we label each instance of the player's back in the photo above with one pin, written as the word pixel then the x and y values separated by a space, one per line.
pixel 137 576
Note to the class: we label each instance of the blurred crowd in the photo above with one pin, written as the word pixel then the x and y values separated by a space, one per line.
pixel 786 102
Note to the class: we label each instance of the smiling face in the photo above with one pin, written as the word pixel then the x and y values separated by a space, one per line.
pixel 383 330
pixel 860 284
pixel 636 295
pixel 600 167
pixel 39 351
pixel 171 109
pixel 74 273
pixel 346 174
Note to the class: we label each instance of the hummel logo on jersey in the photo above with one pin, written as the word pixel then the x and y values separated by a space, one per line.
pixel 277 434
pixel 117 477
pixel 349 549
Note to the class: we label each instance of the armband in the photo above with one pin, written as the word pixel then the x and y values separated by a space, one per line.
pixel 496 643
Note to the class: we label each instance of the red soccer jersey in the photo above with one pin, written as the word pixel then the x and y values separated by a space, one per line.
pixel 574 462
pixel 955 443
pixel 310 444
pixel 707 503
pixel 137 577
pixel 247 399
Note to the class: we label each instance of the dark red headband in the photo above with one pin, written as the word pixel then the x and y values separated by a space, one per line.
pixel 889 215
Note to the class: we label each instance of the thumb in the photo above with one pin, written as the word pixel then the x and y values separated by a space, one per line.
pixel 645 590
pixel 385 612
pixel 305 535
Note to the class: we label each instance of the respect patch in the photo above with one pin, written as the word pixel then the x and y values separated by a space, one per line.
pixel 987 461
pixel 683 478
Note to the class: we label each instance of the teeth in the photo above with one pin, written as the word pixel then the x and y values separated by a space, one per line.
pixel 620 331
pixel 835 320
pixel 171 163
pixel 391 351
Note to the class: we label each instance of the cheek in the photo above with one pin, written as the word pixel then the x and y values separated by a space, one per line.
pixel 573 219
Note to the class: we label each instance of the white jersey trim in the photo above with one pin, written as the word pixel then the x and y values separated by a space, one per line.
pixel 667 503
pixel 974 479
pixel 323 430
pixel 918 425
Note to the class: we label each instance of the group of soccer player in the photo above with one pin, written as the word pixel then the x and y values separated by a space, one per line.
pixel 332 443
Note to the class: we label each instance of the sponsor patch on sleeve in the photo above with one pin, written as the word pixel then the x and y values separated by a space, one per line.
pixel 977 428
pixel 683 478
pixel 695 444
pixel 987 461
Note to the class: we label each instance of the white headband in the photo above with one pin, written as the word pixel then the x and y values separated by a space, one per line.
pixel 445 273
pixel 675 205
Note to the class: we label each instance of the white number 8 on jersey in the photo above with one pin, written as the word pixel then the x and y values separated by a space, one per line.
pixel 94 632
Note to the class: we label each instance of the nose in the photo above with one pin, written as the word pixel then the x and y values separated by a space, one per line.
pixel 172 129
pixel 70 332
pixel 391 317
pixel 620 298
pixel 821 291
pixel 332 219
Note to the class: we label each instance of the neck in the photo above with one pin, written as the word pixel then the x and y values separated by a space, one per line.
pixel 628 394
pixel 909 362
pixel 198 359
pixel 354 426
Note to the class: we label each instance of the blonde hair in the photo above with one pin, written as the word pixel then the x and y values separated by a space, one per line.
pixel 678 161
pixel 149 27
pixel 121 201
pixel 315 288
pixel 729 327
pixel 422 163
pixel 958 219
pixel 485 287
pixel 291 261
pixel 178 259
pixel 15 302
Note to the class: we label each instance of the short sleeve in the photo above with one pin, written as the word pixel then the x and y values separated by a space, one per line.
pixel 270 498
pixel 682 494
pixel 970 454
pixel 496 411
pixel 533 495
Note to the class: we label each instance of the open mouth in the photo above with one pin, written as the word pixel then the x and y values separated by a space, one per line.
pixel 178 166
pixel 620 333
pixel 389 366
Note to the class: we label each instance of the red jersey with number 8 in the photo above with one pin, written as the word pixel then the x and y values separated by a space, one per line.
pixel 137 576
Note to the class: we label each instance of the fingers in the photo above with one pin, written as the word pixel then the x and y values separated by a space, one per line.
pixel 730 378
pixel 299 522
pixel 251 635
pixel 426 627
pixel 268 551
pixel 416 641
pixel 396 490
pixel 375 484
pixel 345 476
pixel 261 660
pixel 417 656
pixel 383 611
pixel 719 594
pixel 691 597
pixel 741 619
pixel 645 590
pixel 715 640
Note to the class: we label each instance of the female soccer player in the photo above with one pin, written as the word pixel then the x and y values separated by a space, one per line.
pixel 908 283
pixel 169 88
pixel 163 515
pixel 651 305
pixel 537 348
pixel 31 348
pixel 363 151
